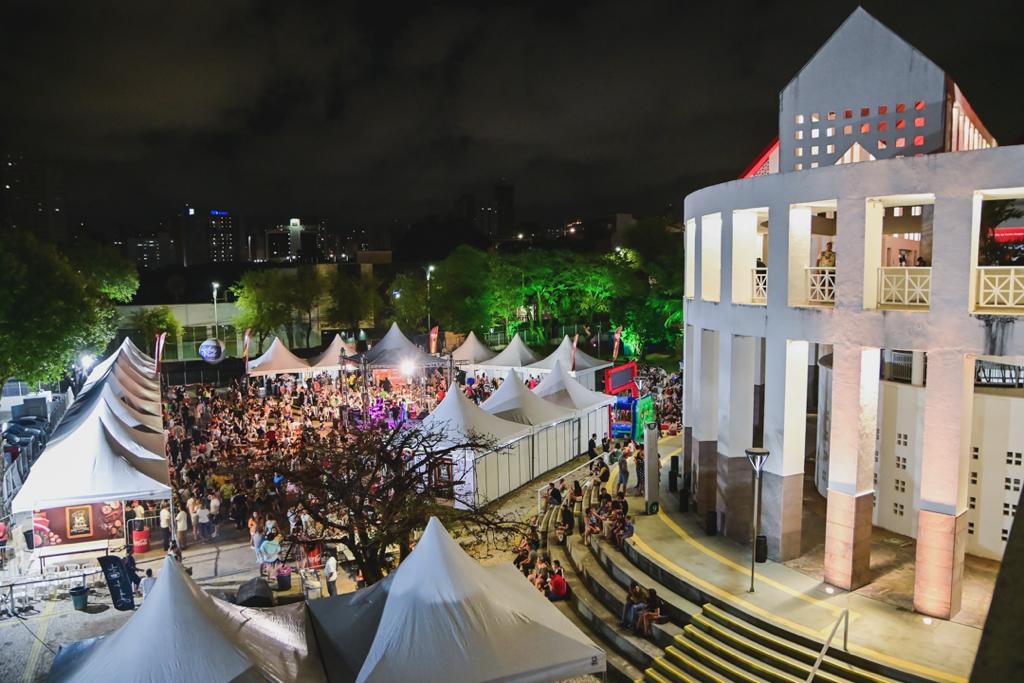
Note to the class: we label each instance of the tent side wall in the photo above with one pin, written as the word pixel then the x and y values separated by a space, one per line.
pixel 504 470
pixel 553 446
pixel 593 421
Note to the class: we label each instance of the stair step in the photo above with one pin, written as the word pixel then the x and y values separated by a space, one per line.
pixel 713 661
pixel 738 657
pixel 694 667
pixel 619 668
pixel 787 647
pixel 652 675
pixel 672 673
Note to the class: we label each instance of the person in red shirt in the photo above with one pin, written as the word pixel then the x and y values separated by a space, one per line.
pixel 558 589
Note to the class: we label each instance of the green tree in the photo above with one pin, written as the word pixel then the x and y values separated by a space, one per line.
pixel 112 275
pixel 459 290
pixel 354 298
pixel 409 300
pixel 505 296
pixel 306 290
pixel 264 304
pixel 150 321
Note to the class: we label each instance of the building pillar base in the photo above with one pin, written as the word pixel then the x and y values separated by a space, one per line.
pixel 687 449
pixel 735 498
pixel 782 506
pixel 848 539
pixel 705 475
pixel 939 565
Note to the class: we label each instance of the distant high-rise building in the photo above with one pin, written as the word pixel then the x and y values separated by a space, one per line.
pixel 154 250
pixel 209 236
pixel 220 237
pixel 505 208
pixel 32 198
pixel 298 241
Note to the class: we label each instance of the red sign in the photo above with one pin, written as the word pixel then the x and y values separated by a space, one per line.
pixel 433 339
pixel 1008 234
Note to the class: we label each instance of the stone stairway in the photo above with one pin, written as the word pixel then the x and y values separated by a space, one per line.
pixel 701 639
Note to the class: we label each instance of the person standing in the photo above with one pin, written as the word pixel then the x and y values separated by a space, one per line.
pixel 165 525
pixel 331 573
pixel 182 528
pixel 592 447
pixel 214 514
pixel 131 567
pixel 147 583
pixel 620 485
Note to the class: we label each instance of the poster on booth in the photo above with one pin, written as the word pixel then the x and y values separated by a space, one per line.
pixel 77 524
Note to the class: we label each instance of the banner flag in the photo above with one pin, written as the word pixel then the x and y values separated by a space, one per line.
pixel 618 338
pixel 245 348
pixel 158 347
pixel 433 338
pixel 575 340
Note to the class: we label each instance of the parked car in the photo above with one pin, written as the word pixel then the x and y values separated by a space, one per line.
pixel 21 430
pixel 33 421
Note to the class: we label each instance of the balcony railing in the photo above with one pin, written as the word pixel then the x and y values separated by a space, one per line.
pixel 1000 287
pixel 821 285
pixel 902 286
pixel 759 286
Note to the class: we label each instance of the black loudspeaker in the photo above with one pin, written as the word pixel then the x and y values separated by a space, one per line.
pixel 684 500
pixel 673 481
pixel 711 522
pixel 254 593
pixel 673 464
pixel 761 549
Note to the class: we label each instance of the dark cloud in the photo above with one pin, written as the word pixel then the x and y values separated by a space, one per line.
pixel 365 112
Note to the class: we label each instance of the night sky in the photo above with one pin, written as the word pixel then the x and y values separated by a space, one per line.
pixel 374 113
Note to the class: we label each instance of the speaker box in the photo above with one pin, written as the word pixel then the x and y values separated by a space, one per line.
pixel 684 500
pixel 673 464
pixel 673 481
pixel 254 593
pixel 711 522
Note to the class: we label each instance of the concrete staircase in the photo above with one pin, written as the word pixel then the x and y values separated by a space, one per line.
pixel 700 639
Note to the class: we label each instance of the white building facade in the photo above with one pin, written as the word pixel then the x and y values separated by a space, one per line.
pixel 803 276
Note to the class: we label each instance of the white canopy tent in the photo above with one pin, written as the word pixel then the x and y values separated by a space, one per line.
pixel 395 350
pixel 585 368
pixel 181 633
pixel 277 360
pixel 472 351
pixel 593 406
pixel 444 618
pixel 331 357
pixel 490 475
pixel 554 427
pixel 516 355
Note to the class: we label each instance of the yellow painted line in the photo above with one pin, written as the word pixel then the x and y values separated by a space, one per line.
pixel 37 645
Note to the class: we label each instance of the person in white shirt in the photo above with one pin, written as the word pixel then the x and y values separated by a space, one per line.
pixel 214 513
pixel 182 526
pixel 147 583
pixel 202 523
pixel 331 574
pixel 165 525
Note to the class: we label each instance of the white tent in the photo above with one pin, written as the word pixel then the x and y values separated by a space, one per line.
pixel 472 351
pixel 515 355
pixel 559 387
pixel 395 350
pixel 277 360
pixel 330 358
pixel 554 426
pixel 585 367
pixel 447 619
pixel 180 633
pixel 489 475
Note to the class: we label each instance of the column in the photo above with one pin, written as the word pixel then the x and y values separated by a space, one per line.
pixel 705 429
pixel 745 250
pixel 917 369
pixel 871 230
pixel 854 423
pixel 941 517
pixel 689 382
pixel 785 431
pixel 711 257
pixel 735 435
pixel 799 254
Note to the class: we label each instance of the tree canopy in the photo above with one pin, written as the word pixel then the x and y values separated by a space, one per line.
pixel 150 321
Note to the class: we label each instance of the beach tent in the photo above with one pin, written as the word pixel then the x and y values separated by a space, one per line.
pixel 488 475
pixel 586 366
pixel 277 360
pixel 472 351
pixel 331 357
pixel 593 406
pixel 516 355
pixel 395 350
pixel 443 618
pixel 181 633
pixel 554 427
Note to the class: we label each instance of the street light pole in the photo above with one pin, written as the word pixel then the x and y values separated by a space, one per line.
pixel 429 270
pixel 757 458
pixel 216 321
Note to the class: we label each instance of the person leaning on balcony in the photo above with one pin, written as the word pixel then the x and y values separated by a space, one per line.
pixel 827 258
pixel 921 263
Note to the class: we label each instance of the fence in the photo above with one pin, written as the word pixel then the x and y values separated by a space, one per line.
pixel 1000 286
pixel 821 285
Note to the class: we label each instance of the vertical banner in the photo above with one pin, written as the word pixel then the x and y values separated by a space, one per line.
pixel 652 467
pixel 433 339
pixel 575 340
pixel 122 592
pixel 245 348
pixel 158 347
pixel 618 339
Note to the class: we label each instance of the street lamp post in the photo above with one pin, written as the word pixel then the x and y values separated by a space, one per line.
pixel 757 458
pixel 428 270
pixel 216 320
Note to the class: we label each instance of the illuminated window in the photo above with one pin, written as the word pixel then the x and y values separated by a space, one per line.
pixel 815 132
pixel 865 111
pixel 830 132
pixel 815 117
pixel 814 150
pixel 919 105
pixel 848 114
pixel 918 140
pixel 916 211
pixel 882 110
pixel 865 128
pixel 799 151
pixel 799 135
pixel 882 144
pixel 799 119
pixel 830 149
pixel 798 167
pixel 900 108
pixel 901 142
pixel 901 123
pixel 831 116
pixel 814 164
pixel 897 211
pixel 919 122
pixel 847 129
pixel 883 125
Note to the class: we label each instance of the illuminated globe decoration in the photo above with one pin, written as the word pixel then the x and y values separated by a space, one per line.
pixel 212 351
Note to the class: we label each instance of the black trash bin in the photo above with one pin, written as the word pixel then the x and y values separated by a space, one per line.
pixel 79 597
pixel 761 548
pixel 284 578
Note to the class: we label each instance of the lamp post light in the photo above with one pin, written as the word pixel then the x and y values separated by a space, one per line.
pixel 216 320
pixel 757 458
pixel 428 270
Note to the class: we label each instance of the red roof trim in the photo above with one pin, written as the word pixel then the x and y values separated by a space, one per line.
pixel 761 158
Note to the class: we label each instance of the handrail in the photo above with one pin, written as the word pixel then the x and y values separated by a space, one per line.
pixel 540 507
pixel 844 618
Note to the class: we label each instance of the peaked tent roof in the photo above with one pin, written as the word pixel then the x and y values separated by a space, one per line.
pixel 472 350
pixel 515 355
pixel 456 417
pixel 447 619
pixel 200 638
pixel 395 349
pixel 558 386
pixel 277 360
pixel 330 358
pixel 563 354
pixel 513 401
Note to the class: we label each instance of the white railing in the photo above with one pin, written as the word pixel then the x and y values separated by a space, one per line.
pixel 844 619
pixel 567 475
pixel 821 285
pixel 902 286
pixel 1000 286
pixel 759 286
